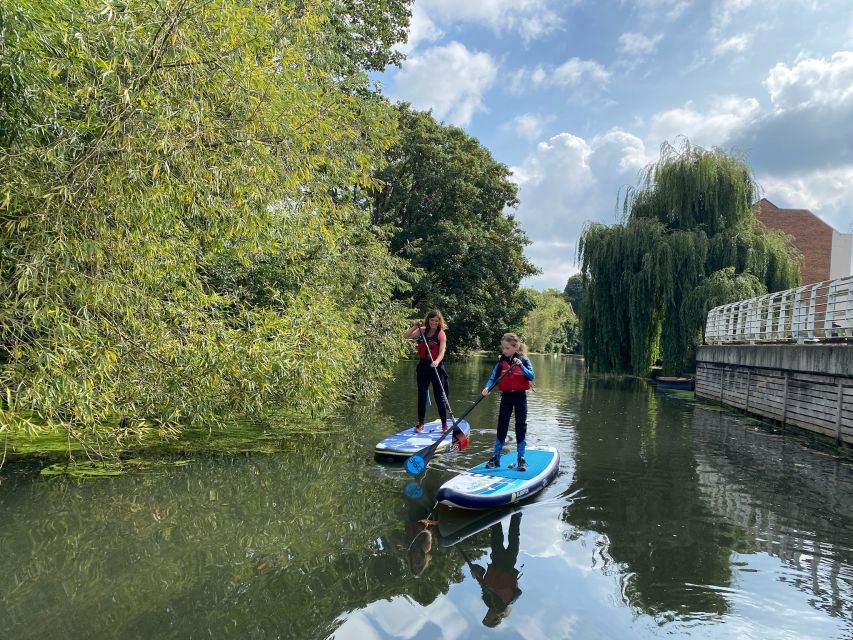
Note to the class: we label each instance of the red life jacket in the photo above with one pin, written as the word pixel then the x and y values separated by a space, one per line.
pixel 502 583
pixel 434 346
pixel 515 380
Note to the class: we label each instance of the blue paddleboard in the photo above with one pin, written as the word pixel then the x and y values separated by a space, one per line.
pixel 481 488
pixel 402 445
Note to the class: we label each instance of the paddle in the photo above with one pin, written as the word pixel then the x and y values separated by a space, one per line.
pixel 471 566
pixel 419 461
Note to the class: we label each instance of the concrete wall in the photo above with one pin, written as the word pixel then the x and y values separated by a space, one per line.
pixel 827 359
pixel 842 253
pixel 808 386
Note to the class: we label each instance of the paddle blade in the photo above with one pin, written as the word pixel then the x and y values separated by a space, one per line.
pixel 413 491
pixel 416 464
pixel 460 443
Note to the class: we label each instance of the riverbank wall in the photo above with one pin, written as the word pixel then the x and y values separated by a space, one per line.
pixel 809 386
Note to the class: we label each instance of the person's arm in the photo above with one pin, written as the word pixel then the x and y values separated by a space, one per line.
pixel 413 332
pixel 442 345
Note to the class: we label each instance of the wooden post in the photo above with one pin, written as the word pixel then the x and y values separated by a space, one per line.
pixel 785 402
pixel 838 414
pixel 748 380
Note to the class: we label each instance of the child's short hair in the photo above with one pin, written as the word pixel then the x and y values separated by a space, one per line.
pixel 515 341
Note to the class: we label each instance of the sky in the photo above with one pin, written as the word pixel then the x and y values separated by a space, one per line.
pixel 577 97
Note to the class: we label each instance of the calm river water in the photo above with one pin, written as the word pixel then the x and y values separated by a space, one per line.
pixel 669 518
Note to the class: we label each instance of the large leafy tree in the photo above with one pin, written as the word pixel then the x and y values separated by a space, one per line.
pixel 444 200
pixel 362 33
pixel 689 242
pixel 180 240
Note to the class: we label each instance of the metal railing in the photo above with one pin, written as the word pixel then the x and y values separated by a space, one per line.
pixel 817 312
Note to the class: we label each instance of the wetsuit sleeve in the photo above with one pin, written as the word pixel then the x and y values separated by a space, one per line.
pixel 526 368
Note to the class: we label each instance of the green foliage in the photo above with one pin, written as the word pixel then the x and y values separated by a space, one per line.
pixel 551 326
pixel 573 292
pixel 363 32
pixel 443 200
pixel 689 242
pixel 180 236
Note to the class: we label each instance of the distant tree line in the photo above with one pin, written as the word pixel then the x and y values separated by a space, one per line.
pixel 551 326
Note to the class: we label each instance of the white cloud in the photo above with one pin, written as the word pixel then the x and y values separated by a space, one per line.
pixel 575 70
pixel 449 79
pixel 651 10
pixel 565 182
pixel 638 44
pixel 799 150
pixel 735 44
pixel 619 150
pixel 538 76
pixel 726 118
pixel 828 193
pixel 529 18
pixel 725 10
pixel 572 72
pixel 527 125
pixel 813 82
pixel 421 29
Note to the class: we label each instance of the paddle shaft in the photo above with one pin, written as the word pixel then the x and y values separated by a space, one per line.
pixel 427 453
pixel 469 563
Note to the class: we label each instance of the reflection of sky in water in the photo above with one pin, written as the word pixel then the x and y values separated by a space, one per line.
pixel 575 595
pixel 572 587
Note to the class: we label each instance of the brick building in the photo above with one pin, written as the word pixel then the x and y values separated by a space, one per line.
pixel 826 252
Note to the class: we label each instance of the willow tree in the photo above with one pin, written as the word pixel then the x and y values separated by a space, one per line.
pixel 179 239
pixel 689 241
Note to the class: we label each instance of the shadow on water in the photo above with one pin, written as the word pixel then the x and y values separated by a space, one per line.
pixel 668 517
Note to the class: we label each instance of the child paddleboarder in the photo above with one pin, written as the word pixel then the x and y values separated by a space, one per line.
pixel 513 387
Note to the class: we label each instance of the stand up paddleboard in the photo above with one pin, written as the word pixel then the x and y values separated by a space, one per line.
pixel 481 488
pixel 402 445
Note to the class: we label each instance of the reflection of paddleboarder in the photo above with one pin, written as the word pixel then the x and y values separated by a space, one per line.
pixel 418 551
pixel 500 580
pixel 415 543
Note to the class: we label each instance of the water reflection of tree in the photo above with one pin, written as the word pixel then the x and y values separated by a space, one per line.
pixel 264 546
pixel 791 501
pixel 638 488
